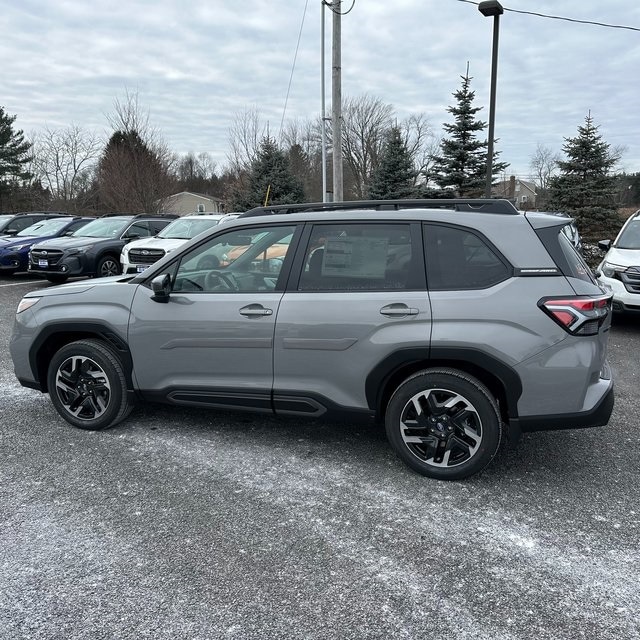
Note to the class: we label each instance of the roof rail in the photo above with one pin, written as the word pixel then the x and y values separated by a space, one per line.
pixel 480 205
pixel 139 215
pixel 156 215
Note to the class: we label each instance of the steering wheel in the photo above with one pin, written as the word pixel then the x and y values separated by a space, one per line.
pixel 214 278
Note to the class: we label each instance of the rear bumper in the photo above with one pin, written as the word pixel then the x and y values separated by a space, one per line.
pixel 597 416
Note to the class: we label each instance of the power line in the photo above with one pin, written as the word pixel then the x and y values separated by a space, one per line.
pixel 544 15
pixel 295 57
pixel 341 13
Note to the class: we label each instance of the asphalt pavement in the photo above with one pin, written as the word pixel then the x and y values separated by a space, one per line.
pixel 190 524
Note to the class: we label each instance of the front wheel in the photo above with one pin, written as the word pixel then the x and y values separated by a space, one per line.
pixel 108 266
pixel 444 424
pixel 87 385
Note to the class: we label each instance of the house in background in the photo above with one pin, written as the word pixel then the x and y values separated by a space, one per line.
pixel 521 192
pixel 185 203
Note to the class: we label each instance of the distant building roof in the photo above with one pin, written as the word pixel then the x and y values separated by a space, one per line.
pixel 206 196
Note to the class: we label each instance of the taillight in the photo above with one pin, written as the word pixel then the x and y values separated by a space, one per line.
pixel 579 315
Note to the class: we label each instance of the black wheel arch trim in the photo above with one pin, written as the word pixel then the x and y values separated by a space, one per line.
pixel 39 356
pixel 384 372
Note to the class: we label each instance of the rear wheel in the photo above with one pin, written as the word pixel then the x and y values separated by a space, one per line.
pixel 108 266
pixel 87 385
pixel 444 424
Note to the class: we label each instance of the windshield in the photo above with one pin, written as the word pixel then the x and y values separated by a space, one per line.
pixel 630 236
pixel 45 227
pixel 103 228
pixel 187 229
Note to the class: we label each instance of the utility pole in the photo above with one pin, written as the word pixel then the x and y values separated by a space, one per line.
pixel 323 108
pixel 336 102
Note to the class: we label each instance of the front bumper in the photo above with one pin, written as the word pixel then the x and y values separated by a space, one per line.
pixel 623 300
pixel 66 266
pixel 13 262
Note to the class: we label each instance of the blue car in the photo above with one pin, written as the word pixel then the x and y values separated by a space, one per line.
pixel 14 250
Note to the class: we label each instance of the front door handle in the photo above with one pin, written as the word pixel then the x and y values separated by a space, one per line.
pixel 255 311
pixel 398 310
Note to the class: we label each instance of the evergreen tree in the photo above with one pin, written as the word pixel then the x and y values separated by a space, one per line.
pixel 395 175
pixel 132 177
pixel 14 156
pixel 269 180
pixel 585 188
pixel 462 163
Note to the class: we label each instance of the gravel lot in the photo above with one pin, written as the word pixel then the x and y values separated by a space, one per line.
pixel 193 525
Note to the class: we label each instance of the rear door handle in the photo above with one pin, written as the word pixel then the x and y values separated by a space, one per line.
pixel 398 310
pixel 255 311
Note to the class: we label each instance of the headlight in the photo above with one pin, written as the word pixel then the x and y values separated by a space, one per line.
pixel 610 270
pixel 75 252
pixel 26 303
pixel 19 247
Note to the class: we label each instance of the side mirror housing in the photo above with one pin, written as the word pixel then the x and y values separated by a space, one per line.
pixel 604 245
pixel 161 287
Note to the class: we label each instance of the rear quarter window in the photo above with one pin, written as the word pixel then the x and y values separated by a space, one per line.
pixel 565 255
pixel 458 258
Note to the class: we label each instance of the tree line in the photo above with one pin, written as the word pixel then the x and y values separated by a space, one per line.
pixel 71 169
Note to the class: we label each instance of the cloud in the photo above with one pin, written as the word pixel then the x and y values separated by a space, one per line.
pixel 195 65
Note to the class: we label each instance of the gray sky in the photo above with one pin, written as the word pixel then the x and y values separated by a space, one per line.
pixel 196 63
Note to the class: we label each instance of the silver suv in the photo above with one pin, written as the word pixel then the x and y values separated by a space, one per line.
pixel 456 322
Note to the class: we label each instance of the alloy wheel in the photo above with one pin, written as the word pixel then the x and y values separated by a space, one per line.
pixel 441 428
pixel 83 387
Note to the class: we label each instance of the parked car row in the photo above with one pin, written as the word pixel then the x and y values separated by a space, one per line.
pixel 58 246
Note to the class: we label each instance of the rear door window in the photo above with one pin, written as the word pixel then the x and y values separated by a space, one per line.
pixel 360 257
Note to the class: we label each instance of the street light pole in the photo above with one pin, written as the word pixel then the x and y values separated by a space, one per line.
pixel 495 9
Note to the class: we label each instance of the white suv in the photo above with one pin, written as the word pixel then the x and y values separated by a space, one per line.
pixel 620 269
pixel 141 254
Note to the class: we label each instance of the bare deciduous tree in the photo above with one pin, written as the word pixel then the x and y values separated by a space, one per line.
pixel 365 122
pixel 422 144
pixel 544 163
pixel 64 161
pixel 245 135
pixel 136 171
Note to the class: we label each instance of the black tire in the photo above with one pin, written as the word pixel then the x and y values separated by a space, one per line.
pixel 444 424
pixel 87 385
pixel 57 279
pixel 108 266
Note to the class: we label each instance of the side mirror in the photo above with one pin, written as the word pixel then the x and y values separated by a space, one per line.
pixel 604 245
pixel 161 287
pixel 10 232
pixel 133 236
